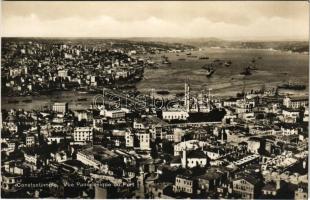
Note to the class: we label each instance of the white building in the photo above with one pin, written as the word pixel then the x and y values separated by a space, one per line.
pixel 88 160
pixel 183 184
pixel 193 158
pixel 289 130
pixel 144 140
pixel 113 113
pixel 188 145
pixel 253 145
pixel 60 107
pixel 296 102
pixel 83 134
pixel 63 73
pixel 129 139
pixel 175 115
pixel 306 115
pixel 31 158
pixel 178 134
pixel 290 116
pixel 30 140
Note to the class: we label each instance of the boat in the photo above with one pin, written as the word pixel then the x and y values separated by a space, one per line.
pixel 189 53
pixel 253 68
pixel 210 71
pixel 204 58
pixel 246 71
pixel 181 59
pixel 82 92
pixel 228 63
pixel 163 92
pixel 27 101
pixel 82 99
pixel 166 62
pixel 292 86
pixel 154 67
pixel 179 94
pixel 13 101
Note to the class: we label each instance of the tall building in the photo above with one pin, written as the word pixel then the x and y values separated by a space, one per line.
pixel 30 140
pixel 144 140
pixel 246 187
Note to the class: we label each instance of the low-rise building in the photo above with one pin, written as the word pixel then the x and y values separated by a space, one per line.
pixel 184 184
pixel 83 134
pixel 175 115
pixel 301 193
pixel 60 107
pixel 245 187
pixel 295 102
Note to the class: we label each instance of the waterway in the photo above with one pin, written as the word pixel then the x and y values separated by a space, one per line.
pixel 274 67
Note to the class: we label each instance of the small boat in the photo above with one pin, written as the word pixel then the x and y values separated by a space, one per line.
pixel 292 86
pixel 163 92
pixel 204 58
pixel 27 101
pixel 253 68
pixel 166 62
pixel 179 94
pixel 189 53
pixel 210 71
pixel 246 72
pixel 228 63
pixel 13 101
pixel 82 99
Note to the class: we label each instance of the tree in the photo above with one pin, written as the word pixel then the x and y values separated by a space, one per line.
pixel 168 147
pixel 154 150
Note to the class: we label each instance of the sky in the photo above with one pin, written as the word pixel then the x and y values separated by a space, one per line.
pixel 235 20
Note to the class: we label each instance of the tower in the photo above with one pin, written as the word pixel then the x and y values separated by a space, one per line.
pixel 103 91
pixel 186 96
pixel 183 160
pixel 209 100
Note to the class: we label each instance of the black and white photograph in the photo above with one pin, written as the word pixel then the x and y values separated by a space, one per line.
pixel 154 99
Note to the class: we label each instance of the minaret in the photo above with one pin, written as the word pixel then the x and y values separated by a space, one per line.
pixel 103 108
pixel 186 96
pixel 184 157
pixel 209 99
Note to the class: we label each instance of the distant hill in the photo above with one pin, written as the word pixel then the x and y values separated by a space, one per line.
pixel 294 46
pixel 172 42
